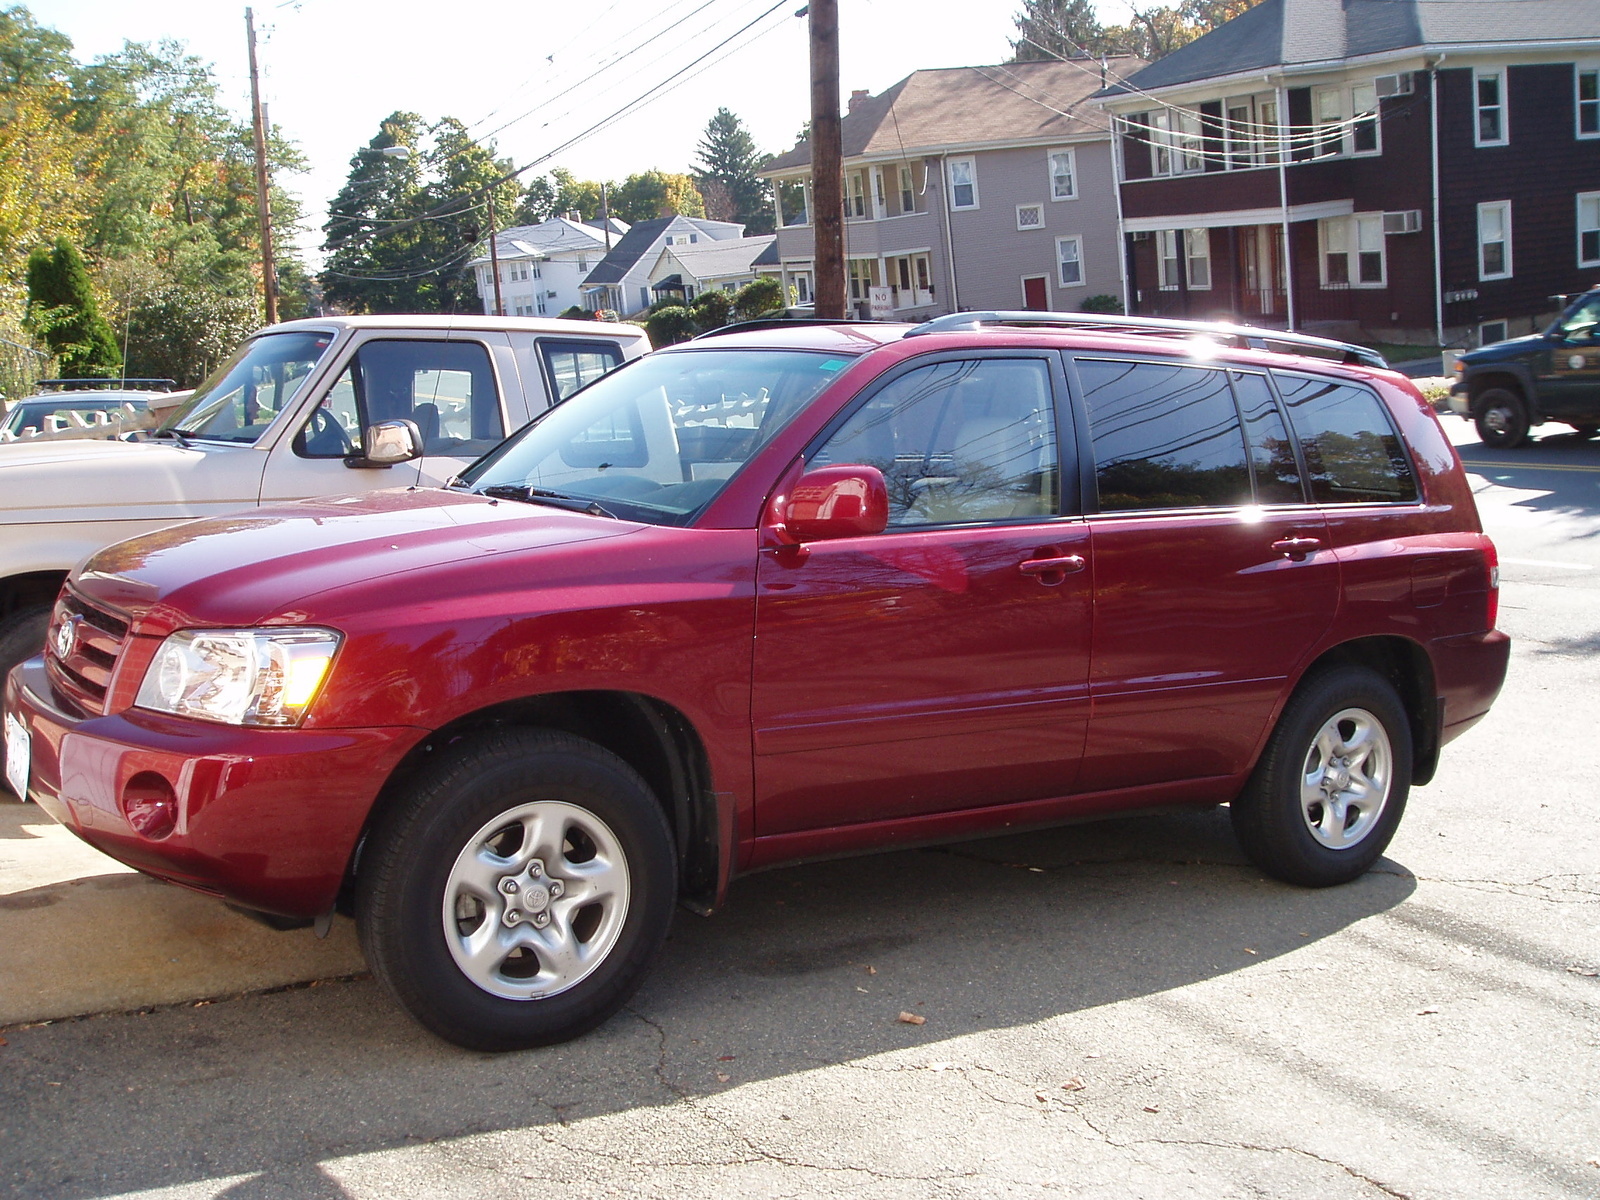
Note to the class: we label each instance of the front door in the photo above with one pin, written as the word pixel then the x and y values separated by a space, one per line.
pixel 1036 293
pixel 942 664
pixel 1569 373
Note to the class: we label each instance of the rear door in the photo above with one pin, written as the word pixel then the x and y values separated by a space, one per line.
pixel 942 664
pixel 1213 573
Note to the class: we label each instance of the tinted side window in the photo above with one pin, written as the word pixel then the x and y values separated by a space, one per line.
pixel 573 365
pixel 958 442
pixel 1165 436
pixel 1352 453
pixel 1271 452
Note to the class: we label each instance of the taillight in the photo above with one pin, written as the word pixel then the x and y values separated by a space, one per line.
pixel 1491 561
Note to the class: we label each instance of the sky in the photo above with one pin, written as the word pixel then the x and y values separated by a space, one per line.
pixel 532 76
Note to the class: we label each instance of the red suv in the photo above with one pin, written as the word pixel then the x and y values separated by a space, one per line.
pixel 785 592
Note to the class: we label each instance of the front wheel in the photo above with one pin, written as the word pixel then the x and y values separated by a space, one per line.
pixel 21 637
pixel 1501 418
pixel 1331 785
pixel 516 895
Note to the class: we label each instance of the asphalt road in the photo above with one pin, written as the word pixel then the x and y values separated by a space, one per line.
pixel 1116 1010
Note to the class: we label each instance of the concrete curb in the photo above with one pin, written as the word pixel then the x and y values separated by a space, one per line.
pixel 82 934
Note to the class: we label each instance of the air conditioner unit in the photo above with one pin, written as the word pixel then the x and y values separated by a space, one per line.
pixel 550 295
pixel 1142 235
pixel 1408 221
pixel 1393 85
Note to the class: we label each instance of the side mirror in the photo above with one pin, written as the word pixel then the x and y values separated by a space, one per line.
pixel 387 443
pixel 837 502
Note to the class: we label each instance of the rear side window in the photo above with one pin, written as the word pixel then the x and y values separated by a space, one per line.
pixel 1164 435
pixel 1272 458
pixel 572 365
pixel 1352 453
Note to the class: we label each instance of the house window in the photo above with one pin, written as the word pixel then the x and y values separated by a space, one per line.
pixel 855 203
pixel 1491 129
pixel 583 262
pixel 1589 229
pixel 1175 142
pixel 1494 240
pixel 1330 121
pixel 1197 246
pixel 538 271
pixel 880 210
pixel 1063 175
pixel 1364 119
pixel 1491 332
pixel 644 297
pixel 1588 102
pixel 963 183
pixel 861 279
pixel 1347 120
pixel 1030 216
pixel 1069 261
pixel 1353 251
pixel 1167 259
pixel 539 302
pixel 908 195
pixel 1251 131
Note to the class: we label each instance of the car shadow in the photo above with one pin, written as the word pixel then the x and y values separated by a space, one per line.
pixel 805 967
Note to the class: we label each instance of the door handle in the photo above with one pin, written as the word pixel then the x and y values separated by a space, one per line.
pixel 1297 548
pixel 1053 570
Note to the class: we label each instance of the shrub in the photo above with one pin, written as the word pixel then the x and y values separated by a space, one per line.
pixel 757 298
pixel 712 310
pixel 1103 303
pixel 673 323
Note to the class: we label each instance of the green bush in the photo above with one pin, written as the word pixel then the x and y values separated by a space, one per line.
pixel 62 310
pixel 758 298
pixel 576 313
pixel 1103 303
pixel 670 324
pixel 712 310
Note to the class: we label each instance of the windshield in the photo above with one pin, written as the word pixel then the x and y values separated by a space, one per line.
pixel 243 395
pixel 1578 323
pixel 656 440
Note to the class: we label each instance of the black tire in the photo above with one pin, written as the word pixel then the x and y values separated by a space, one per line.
pixel 1501 418
pixel 596 802
pixel 1274 816
pixel 21 637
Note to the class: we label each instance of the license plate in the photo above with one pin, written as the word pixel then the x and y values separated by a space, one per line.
pixel 18 749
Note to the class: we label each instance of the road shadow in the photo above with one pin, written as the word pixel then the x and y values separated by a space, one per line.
pixel 805 967
pixel 1561 471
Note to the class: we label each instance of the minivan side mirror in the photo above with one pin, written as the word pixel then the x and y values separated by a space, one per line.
pixel 835 502
pixel 386 443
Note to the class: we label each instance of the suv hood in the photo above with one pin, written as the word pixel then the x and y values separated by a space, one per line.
pixel 248 569
pixel 1501 351
pixel 98 480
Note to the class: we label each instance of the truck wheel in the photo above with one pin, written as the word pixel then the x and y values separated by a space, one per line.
pixel 518 891
pixel 1501 418
pixel 1331 785
pixel 21 637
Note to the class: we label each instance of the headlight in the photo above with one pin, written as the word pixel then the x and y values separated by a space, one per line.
pixel 239 676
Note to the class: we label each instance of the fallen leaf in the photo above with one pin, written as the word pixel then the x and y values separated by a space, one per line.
pixel 861 989
pixel 3 1042
pixel 1151 1108
pixel 1249 950
pixel 1426 1012
pixel 721 1078
pixel 1586 972
pixel 1037 870
pixel 1594 1162
pixel 940 1066
pixel 1041 1098
pixel 872 970
pixel 1091 1055
pixel 1075 1084
pixel 911 1018
pixel 726 1057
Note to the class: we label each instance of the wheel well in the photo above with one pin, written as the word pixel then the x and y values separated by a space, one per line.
pixel 652 737
pixel 27 591
pixel 1407 667
pixel 1495 379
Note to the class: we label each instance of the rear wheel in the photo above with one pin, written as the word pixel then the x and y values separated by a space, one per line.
pixel 1331 786
pixel 1501 418
pixel 517 894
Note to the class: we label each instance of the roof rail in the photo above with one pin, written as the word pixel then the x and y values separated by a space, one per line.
pixel 89 383
pixel 1248 336
pixel 760 323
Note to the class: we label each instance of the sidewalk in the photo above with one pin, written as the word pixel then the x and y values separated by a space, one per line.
pixel 82 934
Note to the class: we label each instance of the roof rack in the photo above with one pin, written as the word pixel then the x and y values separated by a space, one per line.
pixel 760 323
pixel 1248 336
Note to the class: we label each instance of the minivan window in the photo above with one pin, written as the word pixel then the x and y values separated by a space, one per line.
pixel 1352 453
pixel 958 442
pixel 1164 436
pixel 1272 461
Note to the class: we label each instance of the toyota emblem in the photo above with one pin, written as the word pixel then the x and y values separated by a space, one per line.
pixel 66 638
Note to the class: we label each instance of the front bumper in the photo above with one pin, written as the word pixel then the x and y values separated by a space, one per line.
pixel 266 818
pixel 1460 401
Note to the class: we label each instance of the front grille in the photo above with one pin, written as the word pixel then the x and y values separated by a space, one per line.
pixel 83 674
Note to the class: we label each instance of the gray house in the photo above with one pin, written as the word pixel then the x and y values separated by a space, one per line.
pixel 621 281
pixel 967 188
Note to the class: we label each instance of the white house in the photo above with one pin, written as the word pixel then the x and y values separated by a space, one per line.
pixel 543 266
pixel 687 269
pixel 621 282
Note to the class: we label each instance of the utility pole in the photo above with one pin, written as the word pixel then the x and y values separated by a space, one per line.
pixel 494 259
pixel 827 156
pixel 605 214
pixel 269 269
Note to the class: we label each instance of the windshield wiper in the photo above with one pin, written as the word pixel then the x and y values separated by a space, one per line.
pixel 178 435
pixel 533 495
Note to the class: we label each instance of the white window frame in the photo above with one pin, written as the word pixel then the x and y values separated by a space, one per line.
pixel 1351 237
pixel 1591 201
pixel 855 197
pixel 1485 340
pixel 1062 260
pixel 880 204
pixel 1376 119
pixel 1197 249
pixel 1498 74
pixel 1579 104
pixel 1256 143
pixel 908 190
pixel 1037 209
pixel 1505 235
pixel 971 165
pixel 1071 156
pixel 1167 274
pixel 1176 146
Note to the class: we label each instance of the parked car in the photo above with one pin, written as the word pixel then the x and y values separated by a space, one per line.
pixel 85 398
pixel 769 596
pixel 1508 388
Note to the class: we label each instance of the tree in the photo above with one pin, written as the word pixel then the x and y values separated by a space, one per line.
pixel 1054 29
pixel 63 311
pixel 651 194
pixel 727 166
pixel 1069 28
pixel 184 333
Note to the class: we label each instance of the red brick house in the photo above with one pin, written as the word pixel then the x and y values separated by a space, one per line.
pixel 1417 170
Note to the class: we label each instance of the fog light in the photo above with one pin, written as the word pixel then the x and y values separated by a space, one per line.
pixel 150 805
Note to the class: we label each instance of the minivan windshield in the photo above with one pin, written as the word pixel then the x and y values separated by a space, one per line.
pixel 657 439
pixel 241 398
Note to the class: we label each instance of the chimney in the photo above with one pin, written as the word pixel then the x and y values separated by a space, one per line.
pixel 856 97
pixel 574 216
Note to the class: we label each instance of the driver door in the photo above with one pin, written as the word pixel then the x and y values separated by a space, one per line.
pixel 1569 372
pixel 447 387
